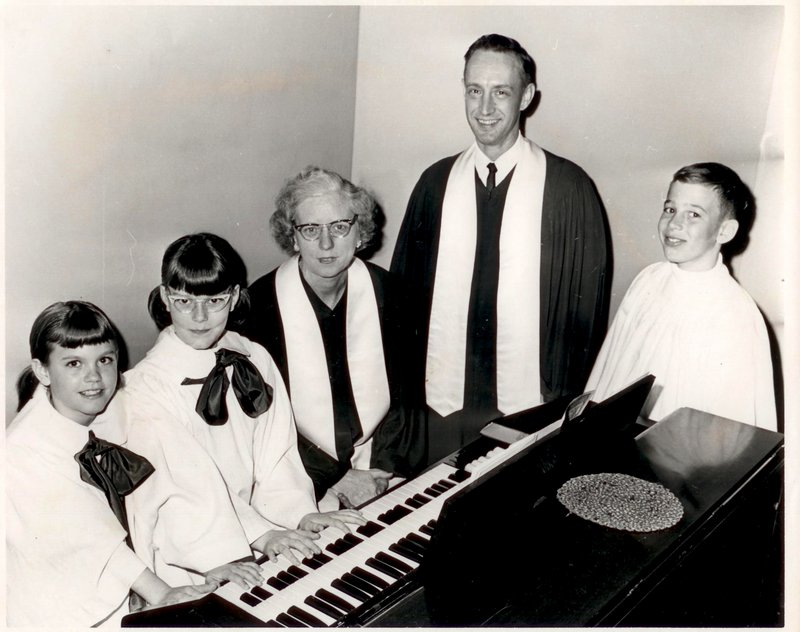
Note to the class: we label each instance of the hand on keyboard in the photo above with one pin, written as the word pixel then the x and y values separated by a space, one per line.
pixel 359 486
pixel 285 541
pixel 244 574
pixel 184 593
pixel 316 522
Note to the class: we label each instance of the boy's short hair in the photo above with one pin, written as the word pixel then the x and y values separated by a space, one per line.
pixel 735 198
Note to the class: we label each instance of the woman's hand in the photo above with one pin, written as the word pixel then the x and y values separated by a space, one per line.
pixel 358 486
pixel 284 541
pixel 316 522
pixel 244 574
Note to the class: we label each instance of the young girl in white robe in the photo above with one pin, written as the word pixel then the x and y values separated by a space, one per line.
pixel 686 320
pixel 206 400
pixel 68 560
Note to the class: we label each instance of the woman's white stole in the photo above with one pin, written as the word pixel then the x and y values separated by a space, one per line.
pixel 518 299
pixel 309 383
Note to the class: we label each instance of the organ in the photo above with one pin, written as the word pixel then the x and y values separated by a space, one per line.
pixel 479 539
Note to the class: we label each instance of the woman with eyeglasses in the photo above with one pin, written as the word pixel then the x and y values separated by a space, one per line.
pixel 206 402
pixel 335 326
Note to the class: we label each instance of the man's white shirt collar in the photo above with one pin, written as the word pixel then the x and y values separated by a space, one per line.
pixel 505 163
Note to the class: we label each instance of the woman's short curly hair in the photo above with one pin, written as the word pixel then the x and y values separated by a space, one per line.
pixel 314 181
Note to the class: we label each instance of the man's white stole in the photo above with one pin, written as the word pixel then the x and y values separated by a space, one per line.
pixel 309 383
pixel 518 299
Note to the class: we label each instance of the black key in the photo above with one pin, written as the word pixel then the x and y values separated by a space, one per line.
pixel 249 599
pixel 459 476
pixel 296 571
pixel 328 597
pixel 394 514
pixel 405 552
pixel 370 577
pixel 384 568
pixel 422 499
pixel 273 624
pixel 349 589
pixel 323 607
pixel 289 622
pixel 412 502
pixel 360 584
pixel 411 545
pixel 286 578
pixel 312 563
pixel 323 558
pixel 337 547
pixel 392 561
pixel 414 537
pixel 306 617
pixel 276 583
pixel 427 530
pixel 370 529
pixel 446 484
pixel 432 492
pixel 352 539
pixel 259 592
pixel 439 487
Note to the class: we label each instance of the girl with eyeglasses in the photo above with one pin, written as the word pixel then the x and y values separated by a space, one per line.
pixel 206 401
pixel 335 326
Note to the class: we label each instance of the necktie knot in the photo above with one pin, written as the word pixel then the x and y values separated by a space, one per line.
pixel 253 394
pixel 490 180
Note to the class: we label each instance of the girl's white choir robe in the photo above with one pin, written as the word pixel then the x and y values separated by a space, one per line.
pixel 187 522
pixel 67 561
pixel 701 335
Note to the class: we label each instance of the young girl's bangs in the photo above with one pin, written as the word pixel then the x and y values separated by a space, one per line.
pixel 81 326
pixel 198 272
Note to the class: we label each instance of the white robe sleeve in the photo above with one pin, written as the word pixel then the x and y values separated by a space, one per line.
pixel 283 491
pixel 67 560
pixel 182 516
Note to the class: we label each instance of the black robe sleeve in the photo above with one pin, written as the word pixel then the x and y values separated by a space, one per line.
pixel 399 441
pixel 575 276
pixel 414 261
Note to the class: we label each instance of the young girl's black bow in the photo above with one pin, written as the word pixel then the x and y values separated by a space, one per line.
pixel 114 470
pixel 254 395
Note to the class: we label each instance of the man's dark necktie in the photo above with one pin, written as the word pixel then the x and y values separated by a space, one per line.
pixel 490 181
pixel 253 394
pixel 113 470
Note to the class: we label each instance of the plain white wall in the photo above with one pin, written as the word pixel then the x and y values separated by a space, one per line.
pixel 629 93
pixel 127 127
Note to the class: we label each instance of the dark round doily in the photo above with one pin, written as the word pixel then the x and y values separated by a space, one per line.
pixel 621 502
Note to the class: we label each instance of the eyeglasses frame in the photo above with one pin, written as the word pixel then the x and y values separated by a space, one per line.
pixel 299 227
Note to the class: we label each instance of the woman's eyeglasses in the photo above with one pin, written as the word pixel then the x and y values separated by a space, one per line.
pixel 340 228
pixel 185 304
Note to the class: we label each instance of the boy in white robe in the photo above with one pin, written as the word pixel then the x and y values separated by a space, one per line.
pixel 686 320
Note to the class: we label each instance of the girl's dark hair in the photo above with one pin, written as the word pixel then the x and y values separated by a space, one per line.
pixel 200 264
pixel 70 324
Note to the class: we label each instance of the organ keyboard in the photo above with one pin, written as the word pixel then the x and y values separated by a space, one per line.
pixel 413 563
pixel 359 571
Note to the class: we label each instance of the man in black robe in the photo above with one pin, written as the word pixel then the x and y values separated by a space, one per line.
pixel 531 245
